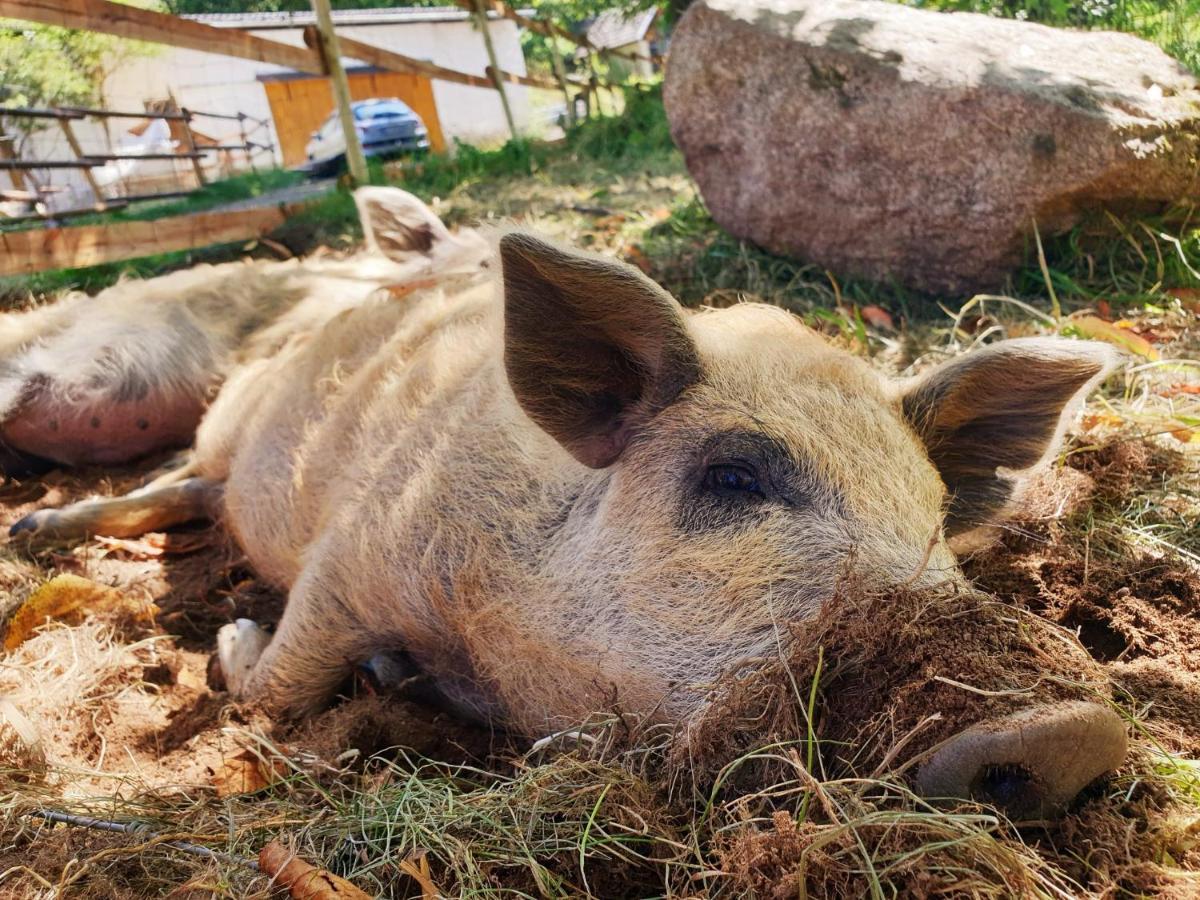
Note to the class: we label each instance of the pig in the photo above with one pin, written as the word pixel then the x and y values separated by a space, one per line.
pixel 557 493
pixel 106 380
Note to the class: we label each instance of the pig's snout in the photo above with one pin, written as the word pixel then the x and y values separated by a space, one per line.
pixel 1032 763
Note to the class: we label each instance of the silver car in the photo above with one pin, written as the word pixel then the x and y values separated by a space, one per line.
pixel 385 126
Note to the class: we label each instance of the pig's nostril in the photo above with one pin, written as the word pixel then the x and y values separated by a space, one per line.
pixel 1007 786
pixel 1031 764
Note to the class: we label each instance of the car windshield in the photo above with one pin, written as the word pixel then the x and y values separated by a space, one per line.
pixel 386 110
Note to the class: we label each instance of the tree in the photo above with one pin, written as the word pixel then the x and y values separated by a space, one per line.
pixel 42 65
pixel 572 15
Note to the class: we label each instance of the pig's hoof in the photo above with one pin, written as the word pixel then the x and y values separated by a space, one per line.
pixel 239 645
pixel 42 520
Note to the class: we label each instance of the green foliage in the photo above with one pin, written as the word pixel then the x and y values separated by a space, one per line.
pixel 1172 24
pixel 439 174
pixel 640 131
pixel 42 65
pixel 572 15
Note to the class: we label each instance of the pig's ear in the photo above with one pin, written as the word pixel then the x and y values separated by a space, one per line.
pixel 397 224
pixel 592 347
pixel 989 416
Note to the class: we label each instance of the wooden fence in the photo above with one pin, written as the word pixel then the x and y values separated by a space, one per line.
pixel 39 249
pixel 26 252
pixel 194 147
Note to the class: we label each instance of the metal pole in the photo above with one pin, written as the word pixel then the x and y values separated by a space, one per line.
pixel 331 56
pixel 482 19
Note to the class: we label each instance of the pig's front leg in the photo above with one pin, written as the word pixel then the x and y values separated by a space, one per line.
pixel 318 643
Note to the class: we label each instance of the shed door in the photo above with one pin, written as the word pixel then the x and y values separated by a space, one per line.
pixel 300 105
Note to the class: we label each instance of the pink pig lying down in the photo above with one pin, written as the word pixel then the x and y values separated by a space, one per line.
pixel 107 379
pixel 533 473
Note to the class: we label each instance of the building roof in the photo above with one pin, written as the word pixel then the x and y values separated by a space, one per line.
pixel 397 15
pixel 611 29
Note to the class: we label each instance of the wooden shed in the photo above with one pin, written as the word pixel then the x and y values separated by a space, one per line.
pixel 300 103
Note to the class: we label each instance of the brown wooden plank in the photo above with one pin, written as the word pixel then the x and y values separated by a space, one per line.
pixel 526 80
pixel 37 250
pixel 398 62
pixel 147 25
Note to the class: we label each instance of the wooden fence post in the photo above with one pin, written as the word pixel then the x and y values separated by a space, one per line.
pixel 560 75
pixel 7 152
pixel 327 40
pixel 482 20
pixel 190 140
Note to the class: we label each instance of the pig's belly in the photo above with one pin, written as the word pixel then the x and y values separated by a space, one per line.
pixel 101 433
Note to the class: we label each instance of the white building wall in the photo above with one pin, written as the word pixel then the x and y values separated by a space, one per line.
pixel 226 84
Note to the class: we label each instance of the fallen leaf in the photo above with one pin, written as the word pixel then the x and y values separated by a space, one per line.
pixel 303 880
pixel 1094 421
pixel 1104 310
pixel 1186 435
pixel 1177 390
pixel 155 544
pixel 1091 327
pixel 878 317
pixel 417 868
pixel 70 599
pixel 244 773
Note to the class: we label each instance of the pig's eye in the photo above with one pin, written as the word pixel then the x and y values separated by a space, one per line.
pixel 733 479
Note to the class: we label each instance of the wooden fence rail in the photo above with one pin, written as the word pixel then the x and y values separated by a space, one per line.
pixel 39 249
pixel 116 19
pixel 161 28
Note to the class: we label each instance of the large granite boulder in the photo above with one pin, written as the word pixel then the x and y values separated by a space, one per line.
pixel 895 143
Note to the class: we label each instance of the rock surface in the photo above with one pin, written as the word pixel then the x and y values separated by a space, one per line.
pixel 893 143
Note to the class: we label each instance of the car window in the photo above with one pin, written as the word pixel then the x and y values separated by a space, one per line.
pixel 386 109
